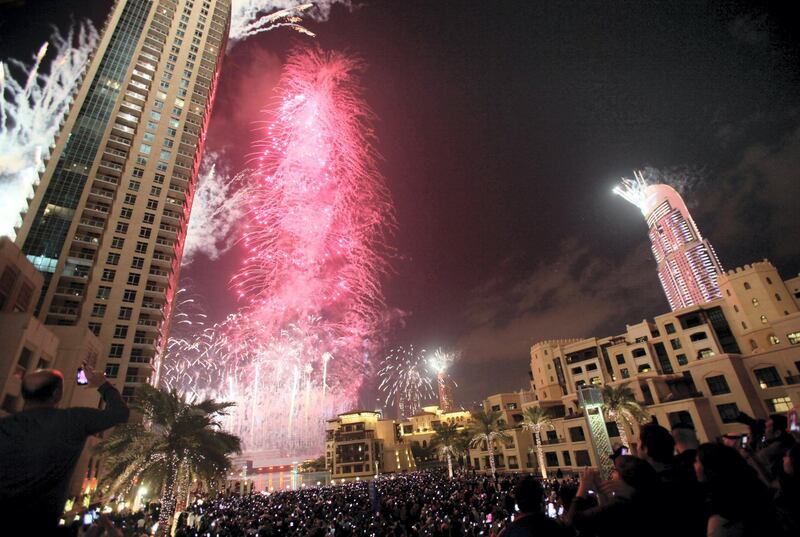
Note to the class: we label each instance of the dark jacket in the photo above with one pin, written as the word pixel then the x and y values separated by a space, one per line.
pixel 38 451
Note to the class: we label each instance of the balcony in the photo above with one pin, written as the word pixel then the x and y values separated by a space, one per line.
pixel 113 167
pixel 341 436
pixel 107 180
pixel 101 194
pixel 128 119
pixel 118 141
pixel 119 127
pixel 63 311
pixel 149 324
pixel 92 224
pixel 97 207
pixel 155 290
pixel 70 292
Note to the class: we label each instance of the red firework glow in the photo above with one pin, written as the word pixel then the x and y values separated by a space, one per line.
pixel 319 210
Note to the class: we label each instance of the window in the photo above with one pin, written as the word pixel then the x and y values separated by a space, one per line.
pixel 768 377
pixel 793 337
pixel 122 227
pixel 145 149
pixel 675 343
pixel 103 292
pixel 682 360
pixel 591 367
pixel 644 368
pixel 753 344
pixel 129 296
pixel 577 370
pixel 747 285
pixel 120 331
pixel 134 186
pixel 141 247
pixel 138 172
pixel 763 319
pixel 152 204
pixel 744 325
pixel 126 213
pixel 112 370
pixel 155 191
pixel 639 353
pixel 156 115
pixel 130 199
pixel 612 428
pixel 777 297
pixel 511 406
pixel 718 385
pixel 755 303
pixel 98 310
pixel 112 259
pixel 149 218
pixel 117 242
pixel 137 262
pixel 133 278
pixel 551 458
pixel 108 275
pixel 624 372
pixel 125 314
pixel 95 328
pixel 728 412
pixel 144 232
pixel 576 434
pixel 582 458
pixel 495 408
pixel 779 404
pixel 699 336
pixel 567 459
pixel 773 340
pixel 128 393
pixel 620 359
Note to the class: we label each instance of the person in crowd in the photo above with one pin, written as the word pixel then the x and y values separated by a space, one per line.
pixel 620 507
pixel 530 520
pixel 40 446
pixel 686 444
pixel 787 498
pixel 657 447
pixel 738 501
pixel 777 443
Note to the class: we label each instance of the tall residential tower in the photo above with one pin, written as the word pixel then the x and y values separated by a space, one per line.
pixel 107 223
pixel 688 267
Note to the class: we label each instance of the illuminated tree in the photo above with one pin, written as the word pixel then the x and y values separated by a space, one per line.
pixel 536 420
pixel 486 430
pixel 620 406
pixel 444 439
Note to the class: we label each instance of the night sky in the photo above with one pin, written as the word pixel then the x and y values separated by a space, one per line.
pixel 504 126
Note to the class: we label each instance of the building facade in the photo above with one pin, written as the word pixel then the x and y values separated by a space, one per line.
pixel 688 267
pixel 107 223
pixel 361 444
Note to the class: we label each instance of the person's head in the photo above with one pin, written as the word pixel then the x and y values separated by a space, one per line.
pixel 776 424
pixel 685 437
pixel 43 388
pixel 791 461
pixel 716 463
pixel 656 445
pixel 636 473
pixel 528 495
pixel 732 440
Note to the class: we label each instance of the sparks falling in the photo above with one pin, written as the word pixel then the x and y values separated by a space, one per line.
pixel 404 380
pixel 317 213
pixel 31 112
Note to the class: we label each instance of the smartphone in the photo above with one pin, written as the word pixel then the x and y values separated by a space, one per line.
pixel 80 378
pixel 489 518
pixel 88 518
pixel 743 441
pixel 624 451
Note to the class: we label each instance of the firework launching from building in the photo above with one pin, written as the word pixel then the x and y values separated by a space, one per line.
pixel 317 211
pixel 439 362
pixel 688 267
pixel 31 112
pixel 404 380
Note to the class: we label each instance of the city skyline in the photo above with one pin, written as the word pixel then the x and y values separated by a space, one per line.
pixel 490 266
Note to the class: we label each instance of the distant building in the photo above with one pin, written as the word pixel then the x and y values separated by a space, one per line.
pixel 699 365
pixel 688 267
pixel 361 444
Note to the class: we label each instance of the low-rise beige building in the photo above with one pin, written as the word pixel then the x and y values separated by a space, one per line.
pixel 361 444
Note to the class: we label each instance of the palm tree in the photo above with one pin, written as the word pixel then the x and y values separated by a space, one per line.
pixel 536 419
pixel 444 439
pixel 620 406
pixel 175 443
pixel 485 428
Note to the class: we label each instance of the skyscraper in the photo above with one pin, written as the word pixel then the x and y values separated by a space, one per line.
pixel 107 223
pixel 688 267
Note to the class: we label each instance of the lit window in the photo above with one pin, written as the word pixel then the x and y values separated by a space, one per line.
pixel 145 149
pixel 768 377
pixel 794 338
pixel 755 302
pixel 763 319
pixel 779 404
pixel 773 340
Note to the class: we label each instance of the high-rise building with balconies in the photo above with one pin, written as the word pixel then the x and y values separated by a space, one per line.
pixel 688 268
pixel 107 223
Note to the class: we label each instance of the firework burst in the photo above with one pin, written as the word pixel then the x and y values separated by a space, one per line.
pixel 404 380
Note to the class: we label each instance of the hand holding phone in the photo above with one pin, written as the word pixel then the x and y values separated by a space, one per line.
pixel 80 377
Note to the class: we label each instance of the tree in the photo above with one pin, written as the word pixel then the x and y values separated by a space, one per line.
pixel 536 420
pixel 173 444
pixel 484 428
pixel 620 406
pixel 444 440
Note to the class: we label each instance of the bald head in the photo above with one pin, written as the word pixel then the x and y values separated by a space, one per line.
pixel 43 387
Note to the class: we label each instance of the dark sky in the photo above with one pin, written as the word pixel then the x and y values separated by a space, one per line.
pixel 505 124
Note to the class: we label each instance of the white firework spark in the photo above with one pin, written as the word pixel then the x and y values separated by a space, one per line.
pixel 404 380
pixel 31 114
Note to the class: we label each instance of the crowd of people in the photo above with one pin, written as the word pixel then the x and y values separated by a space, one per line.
pixel 672 486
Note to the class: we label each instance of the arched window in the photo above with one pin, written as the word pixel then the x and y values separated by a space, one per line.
pixel 744 325
pixel 769 281
pixel 777 297
pixel 773 339
pixel 747 285
pixel 644 368
pixel 736 308
pixel 753 344
pixel 755 302
pixel 728 291
pixel 763 319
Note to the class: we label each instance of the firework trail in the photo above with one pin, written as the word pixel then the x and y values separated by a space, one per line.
pixel 252 17
pixel 317 211
pixel 439 362
pixel 31 112
pixel 404 380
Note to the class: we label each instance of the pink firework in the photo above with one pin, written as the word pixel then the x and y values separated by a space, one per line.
pixel 319 211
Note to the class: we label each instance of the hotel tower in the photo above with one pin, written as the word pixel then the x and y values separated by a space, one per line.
pixel 688 267
pixel 107 224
